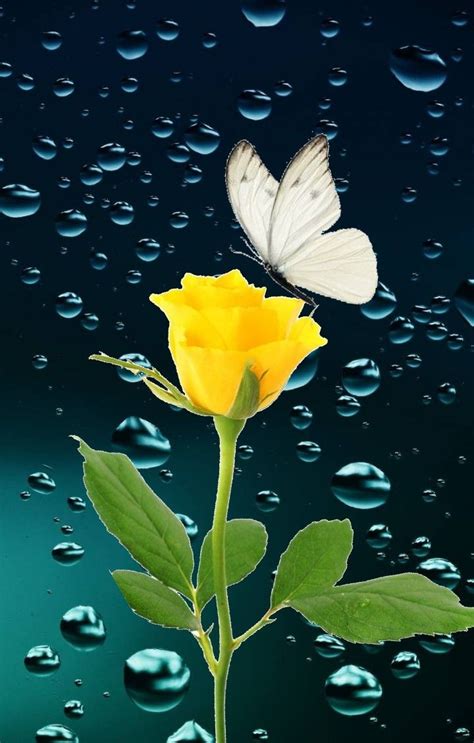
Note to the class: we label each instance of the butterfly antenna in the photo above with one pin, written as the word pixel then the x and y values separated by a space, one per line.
pixel 251 248
pixel 246 255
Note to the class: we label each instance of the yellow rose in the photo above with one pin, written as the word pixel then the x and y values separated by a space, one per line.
pixel 234 349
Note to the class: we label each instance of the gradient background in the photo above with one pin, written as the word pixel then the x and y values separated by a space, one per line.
pixel 273 685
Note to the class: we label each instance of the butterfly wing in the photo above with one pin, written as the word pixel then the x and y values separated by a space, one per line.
pixel 306 203
pixel 340 264
pixel 252 190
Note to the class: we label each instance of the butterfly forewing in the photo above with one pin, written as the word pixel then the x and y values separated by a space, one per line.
pixel 251 189
pixel 306 203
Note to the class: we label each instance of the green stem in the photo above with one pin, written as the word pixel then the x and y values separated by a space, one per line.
pixel 228 431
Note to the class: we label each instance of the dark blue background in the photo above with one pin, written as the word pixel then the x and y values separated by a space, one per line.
pixel 273 685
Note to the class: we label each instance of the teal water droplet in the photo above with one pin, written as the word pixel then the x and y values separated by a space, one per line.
pixel 156 680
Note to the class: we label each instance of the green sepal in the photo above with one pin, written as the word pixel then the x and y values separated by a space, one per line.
pixel 247 399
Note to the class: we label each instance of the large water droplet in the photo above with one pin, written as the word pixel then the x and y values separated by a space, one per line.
pixel 111 156
pixel 42 660
pixel 264 13
pixel 83 628
pixel 67 553
pixel 142 441
pixel 56 733
pixel 440 571
pixel 254 104
pixel 464 300
pixel 405 665
pixel 304 373
pixel 361 377
pixel 202 138
pixel 361 485
pixel 68 305
pixel 71 223
pixel 156 680
pixel 17 200
pixel 418 69
pixel 132 44
pixel 381 305
pixel 51 40
pixel 41 482
pixel 191 732
pixel 329 646
pixel 378 536
pixel 352 690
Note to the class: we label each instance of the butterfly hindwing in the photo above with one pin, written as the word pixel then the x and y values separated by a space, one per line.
pixel 340 264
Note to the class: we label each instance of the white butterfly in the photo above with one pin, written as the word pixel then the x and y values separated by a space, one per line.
pixel 286 224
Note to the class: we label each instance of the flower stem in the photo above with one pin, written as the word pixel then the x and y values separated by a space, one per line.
pixel 228 431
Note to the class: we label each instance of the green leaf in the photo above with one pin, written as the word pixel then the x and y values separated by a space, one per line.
pixel 316 558
pixel 389 608
pixel 140 520
pixel 246 544
pixel 154 601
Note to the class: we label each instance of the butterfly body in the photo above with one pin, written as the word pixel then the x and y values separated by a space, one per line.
pixel 286 224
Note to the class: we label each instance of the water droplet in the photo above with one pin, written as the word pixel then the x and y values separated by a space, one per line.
pixel 71 223
pixel 328 646
pixel 361 377
pixel 378 536
pixel 122 213
pixel 41 482
pixel 338 77
pixel 254 104
pixel 440 571
pixel 76 503
pixel 283 89
pixel 352 690
pixel 39 361
pixel 74 709
pixel 463 299
pixel 244 451
pixel 308 451
pixel 132 44
pixel 67 553
pixel 179 220
pixel 167 30
pixel 83 628
pixel 191 732
pixel 260 734
pixel 361 485
pixel 42 660
pixel 418 69
pixel 63 87
pixel 91 174
pixel 446 393
pixel 190 525
pixel 405 665
pixel 30 275
pixel 438 645
pixel 162 127
pixel 44 147
pixel 264 13
pixel 420 546
pixel 347 406
pixel 56 733
pixel 111 156
pixel 156 680
pixel 401 330
pixel 304 373
pixel 17 200
pixel 68 305
pixel 328 128
pixel 267 501
pixel 51 40
pixel 381 305
pixel 209 40
pixel 301 417
pixel 202 138
pixel 329 28
pixel 142 441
